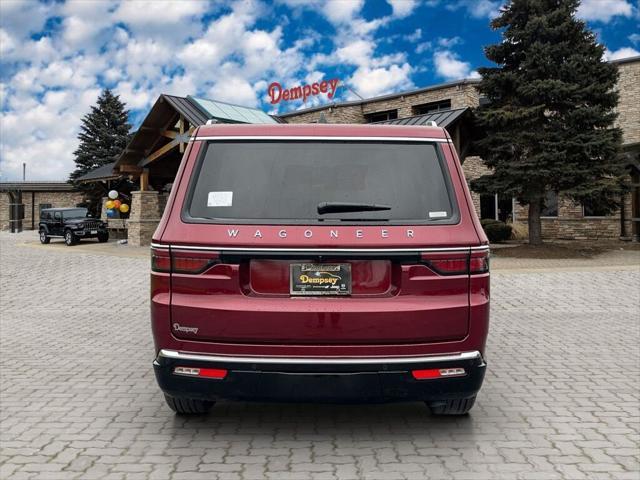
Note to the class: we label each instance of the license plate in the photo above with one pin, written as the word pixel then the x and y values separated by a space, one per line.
pixel 320 279
pixel 93 232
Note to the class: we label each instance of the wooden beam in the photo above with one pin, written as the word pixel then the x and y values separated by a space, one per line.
pixel 144 180
pixel 129 169
pixel 181 130
pixel 169 133
pixel 159 153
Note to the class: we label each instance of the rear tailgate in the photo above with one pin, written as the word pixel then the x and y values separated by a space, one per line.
pixel 244 299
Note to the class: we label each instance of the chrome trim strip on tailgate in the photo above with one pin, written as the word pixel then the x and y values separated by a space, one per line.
pixel 319 360
pixel 320 250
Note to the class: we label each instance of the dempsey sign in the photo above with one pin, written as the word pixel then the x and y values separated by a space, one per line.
pixel 277 93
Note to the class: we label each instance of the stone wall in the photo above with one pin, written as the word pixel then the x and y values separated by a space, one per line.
pixel 629 101
pixel 55 199
pixel 474 167
pixel 571 224
pixel 5 213
pixel 461 95
pixel 143 218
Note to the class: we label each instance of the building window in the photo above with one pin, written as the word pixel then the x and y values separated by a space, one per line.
pixel 381 116
pixel 550 208
pixel 594 207
pixel 487 207
pixel 432 107
pixel 496 207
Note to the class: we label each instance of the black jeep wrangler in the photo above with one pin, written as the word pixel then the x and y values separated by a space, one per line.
pixel 72 224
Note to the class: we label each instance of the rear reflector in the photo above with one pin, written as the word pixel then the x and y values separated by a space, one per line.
pixel 201 372
pixel 438 373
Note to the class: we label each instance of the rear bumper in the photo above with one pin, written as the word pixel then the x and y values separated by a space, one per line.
pixel 320 379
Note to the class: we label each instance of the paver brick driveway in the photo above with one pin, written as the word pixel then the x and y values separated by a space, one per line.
pixel 78 397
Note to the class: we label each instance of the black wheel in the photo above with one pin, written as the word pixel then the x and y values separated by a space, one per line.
pixel 103 237
pixel 459 406
pixel 44 239
pixel 69 238
pixel 188 406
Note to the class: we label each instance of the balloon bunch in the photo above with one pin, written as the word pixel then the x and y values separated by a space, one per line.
pixel 114 205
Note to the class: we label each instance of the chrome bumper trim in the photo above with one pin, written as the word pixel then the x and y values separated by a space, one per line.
pixel 319 360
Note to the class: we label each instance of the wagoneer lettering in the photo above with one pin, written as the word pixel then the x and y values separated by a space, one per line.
pixel 349 267
pixel 309 233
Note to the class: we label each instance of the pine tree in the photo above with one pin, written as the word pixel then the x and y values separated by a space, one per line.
pixel 104 134
pixel 548 123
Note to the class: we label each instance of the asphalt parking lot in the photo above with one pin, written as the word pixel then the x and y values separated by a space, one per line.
pixel 78 399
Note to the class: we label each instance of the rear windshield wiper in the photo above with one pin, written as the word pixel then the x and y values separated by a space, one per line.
pixel 340 207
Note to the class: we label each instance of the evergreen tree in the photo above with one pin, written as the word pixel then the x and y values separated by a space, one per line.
pixel 103 135
pixel 548 123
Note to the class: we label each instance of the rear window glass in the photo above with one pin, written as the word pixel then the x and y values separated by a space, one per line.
pixel 285 182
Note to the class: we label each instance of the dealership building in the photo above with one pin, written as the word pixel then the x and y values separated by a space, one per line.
pixel 152 157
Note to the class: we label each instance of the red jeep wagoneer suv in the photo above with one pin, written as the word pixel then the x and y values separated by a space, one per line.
pixel 320 263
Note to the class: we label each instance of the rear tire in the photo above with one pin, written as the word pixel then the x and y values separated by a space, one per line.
pixel 188 406
pixel 103 237
pixel 44 239
pixel 70 238
pixel 458 406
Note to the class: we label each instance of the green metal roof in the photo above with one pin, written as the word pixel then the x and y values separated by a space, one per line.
pixel 228 113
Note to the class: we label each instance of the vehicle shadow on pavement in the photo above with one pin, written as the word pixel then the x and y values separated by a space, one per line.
pixel 318 419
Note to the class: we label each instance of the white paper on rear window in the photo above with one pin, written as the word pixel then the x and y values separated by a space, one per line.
pixel 220 199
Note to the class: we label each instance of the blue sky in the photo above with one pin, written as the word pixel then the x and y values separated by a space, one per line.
pixel 56 56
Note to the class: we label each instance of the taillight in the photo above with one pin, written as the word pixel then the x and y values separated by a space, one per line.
pixel 191 265
pixel 160 261
pixel 479 262
pixel 457 264
pixel 176 261
pixel 454 266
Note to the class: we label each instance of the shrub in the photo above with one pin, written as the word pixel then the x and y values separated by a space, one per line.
pixel 519 231
pixel 496 231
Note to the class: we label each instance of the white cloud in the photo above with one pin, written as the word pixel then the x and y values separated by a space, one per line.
pixel 624 52
pixel 450 67
pixel 341 12
pixel 604 10
pixel 423 47
pixel 402 8
pixel 476 8
pixel 84 22
pixel 25 17
pixel 449 42
pixel 369 82
pixel 634 38
pixel 415 36
pixel 141 13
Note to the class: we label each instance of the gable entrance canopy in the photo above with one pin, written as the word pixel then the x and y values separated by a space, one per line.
pixel 458 122
pixel 156 148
